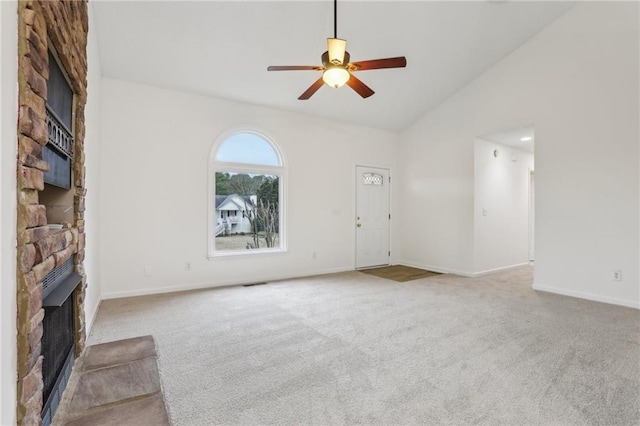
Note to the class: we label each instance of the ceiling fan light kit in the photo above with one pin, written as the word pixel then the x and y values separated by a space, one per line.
pixel 336 68
pixel 335 76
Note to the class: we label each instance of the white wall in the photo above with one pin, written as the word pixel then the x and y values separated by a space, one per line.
pixel 153 206
pixel 577 81
pixel 8 138
pixel 92 165
pixel 436 227
pixel 501 189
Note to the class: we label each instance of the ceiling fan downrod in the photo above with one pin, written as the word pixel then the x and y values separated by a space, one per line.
pixel 335 18
pixel 337 54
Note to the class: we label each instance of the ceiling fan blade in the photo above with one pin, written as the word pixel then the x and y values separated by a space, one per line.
pixel 312 89
pixel 362 89
pixel 375 64
pixel 294 68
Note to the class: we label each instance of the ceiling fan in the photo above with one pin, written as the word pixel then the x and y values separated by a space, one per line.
pixel 336 68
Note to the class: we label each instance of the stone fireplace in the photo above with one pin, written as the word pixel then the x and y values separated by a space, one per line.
pixel 52 39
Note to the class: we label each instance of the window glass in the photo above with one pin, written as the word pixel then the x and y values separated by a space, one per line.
pixel 247 148
pixel 247 201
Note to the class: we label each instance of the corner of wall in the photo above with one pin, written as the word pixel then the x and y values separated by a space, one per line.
pixel 92 162
pixel 8 137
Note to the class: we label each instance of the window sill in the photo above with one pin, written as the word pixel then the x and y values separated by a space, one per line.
pixel 246 253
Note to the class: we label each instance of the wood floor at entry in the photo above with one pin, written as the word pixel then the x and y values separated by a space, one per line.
pixel 400 273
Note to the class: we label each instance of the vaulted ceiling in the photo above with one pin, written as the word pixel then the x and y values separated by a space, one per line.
pixel 223 48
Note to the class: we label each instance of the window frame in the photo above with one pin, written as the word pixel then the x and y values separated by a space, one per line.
pixel 215 166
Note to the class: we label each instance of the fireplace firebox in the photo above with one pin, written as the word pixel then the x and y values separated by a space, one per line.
pixel 59 346
pixel 58 339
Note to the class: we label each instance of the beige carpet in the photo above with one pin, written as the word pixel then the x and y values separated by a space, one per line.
pixel 352 348
pixel 399 273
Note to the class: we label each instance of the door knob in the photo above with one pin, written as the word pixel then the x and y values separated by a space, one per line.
pixel 359 225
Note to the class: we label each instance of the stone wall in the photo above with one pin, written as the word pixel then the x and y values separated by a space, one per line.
pixel 61 26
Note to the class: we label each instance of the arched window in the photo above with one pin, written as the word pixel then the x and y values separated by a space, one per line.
pixel 246 206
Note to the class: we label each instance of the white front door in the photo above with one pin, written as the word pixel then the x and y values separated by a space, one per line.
pixel 372 217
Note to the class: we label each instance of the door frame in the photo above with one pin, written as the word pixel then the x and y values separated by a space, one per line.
pixel 531 246
pixel 354 215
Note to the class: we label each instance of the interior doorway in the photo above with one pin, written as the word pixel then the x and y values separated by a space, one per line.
pixel 373 215
pixel 504 192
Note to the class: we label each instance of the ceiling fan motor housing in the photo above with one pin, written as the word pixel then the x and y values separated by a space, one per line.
pixel 327 64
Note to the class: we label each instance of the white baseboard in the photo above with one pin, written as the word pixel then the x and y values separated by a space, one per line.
pixel 198 286
pixel 459 272
pixel 89 323
pixel 435 268
pixel 587 296
pixel 504 268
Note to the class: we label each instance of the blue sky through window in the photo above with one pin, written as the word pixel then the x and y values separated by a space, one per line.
pixel 247 148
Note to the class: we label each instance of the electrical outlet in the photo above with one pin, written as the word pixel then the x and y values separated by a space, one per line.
pixel 147 271
pixel 313 255
pixel 187 266
pixel 484 212
pixel 616 275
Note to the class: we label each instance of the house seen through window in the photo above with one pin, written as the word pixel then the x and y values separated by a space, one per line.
pixel 247 215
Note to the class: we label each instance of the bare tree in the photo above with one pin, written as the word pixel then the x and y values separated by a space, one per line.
pixel 267 215
pixel 251 214
pixel 244 184
pixel 263 218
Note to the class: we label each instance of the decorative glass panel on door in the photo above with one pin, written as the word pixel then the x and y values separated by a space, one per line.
pixel 372 179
